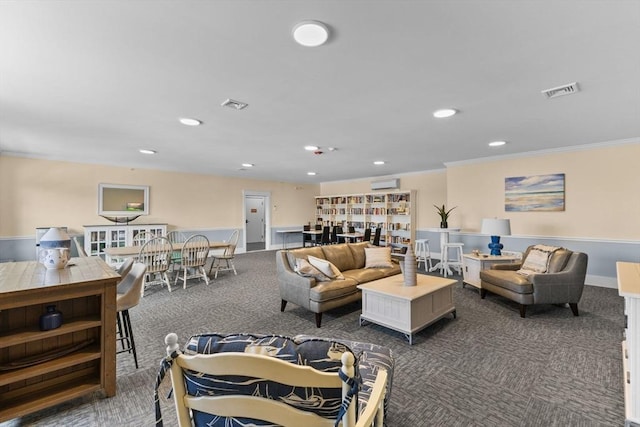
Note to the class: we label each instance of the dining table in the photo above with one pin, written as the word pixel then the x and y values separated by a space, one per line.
pixel 132 251
pixel 353 237
pixel 311 233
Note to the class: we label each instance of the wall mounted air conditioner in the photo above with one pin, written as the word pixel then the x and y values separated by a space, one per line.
pixel 387 184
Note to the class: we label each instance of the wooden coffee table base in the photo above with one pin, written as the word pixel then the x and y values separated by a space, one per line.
pixel 407 309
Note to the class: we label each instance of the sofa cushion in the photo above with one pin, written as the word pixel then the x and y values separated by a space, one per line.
pixel 511 280
pixel 323 355
pixel 357 250
pixel 305 269
pixel 339 255
pixel 326 291
pixel 326 267
pixel 378 257
pixel 303 253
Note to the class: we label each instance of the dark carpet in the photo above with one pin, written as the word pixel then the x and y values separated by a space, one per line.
pixel 487 367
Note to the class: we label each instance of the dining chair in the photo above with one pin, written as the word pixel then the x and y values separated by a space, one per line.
pixel 156 255
pixel 376 236
pixel 129 293
pixel 226 256
pixel 326 238
pixel 193 256
pixel 79 248
pixel 319 235
pixel 337 229
pixel 351 229
pixel 367 235
pixel 141 238
pixel 176 237
pixel 306 237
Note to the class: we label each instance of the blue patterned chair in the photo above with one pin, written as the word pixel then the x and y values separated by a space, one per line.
pixel 234 398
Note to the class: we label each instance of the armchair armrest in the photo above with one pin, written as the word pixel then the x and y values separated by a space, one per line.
pixel 293 287
pixel 513 266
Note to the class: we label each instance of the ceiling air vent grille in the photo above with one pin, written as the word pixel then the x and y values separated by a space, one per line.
pixel 567 89
pixel 234 104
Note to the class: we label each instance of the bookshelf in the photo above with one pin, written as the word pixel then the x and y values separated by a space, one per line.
pixel 393 212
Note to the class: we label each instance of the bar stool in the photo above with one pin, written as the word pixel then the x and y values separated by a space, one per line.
pixel 423 253
pixel 456 261
pixel 129 294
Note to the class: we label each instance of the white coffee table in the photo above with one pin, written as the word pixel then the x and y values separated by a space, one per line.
pixel 407 309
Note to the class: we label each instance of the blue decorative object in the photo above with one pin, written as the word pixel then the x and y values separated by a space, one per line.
pixel 495 245
pixel 52 319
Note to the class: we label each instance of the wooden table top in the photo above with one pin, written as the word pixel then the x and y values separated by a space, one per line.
pixel 394 286
pixel 29 275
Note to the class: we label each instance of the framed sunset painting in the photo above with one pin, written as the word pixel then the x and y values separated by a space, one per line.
pixel 534 193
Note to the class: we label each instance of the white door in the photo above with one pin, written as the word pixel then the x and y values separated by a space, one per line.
pixel 254 216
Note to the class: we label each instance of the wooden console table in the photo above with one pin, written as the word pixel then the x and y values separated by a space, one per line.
pixel 39 369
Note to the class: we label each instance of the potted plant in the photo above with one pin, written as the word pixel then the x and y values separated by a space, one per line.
pixel 444 215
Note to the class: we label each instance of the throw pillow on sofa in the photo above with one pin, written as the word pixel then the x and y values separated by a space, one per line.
pixel 537 260
pixel 378 258
pixel 326 268
pixel 305 269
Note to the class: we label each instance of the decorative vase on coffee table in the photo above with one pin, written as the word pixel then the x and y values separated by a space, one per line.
pixel 410 268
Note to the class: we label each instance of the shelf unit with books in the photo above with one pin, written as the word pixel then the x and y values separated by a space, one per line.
pixel 393 212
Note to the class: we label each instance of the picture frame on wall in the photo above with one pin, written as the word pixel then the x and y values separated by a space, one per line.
pixel 542 193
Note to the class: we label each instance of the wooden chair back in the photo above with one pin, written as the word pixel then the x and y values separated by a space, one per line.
pixel 269 368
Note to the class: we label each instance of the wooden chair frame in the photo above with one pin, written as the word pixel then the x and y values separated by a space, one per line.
pixel 270 368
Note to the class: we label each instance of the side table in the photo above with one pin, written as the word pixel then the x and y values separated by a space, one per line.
pixel 473 264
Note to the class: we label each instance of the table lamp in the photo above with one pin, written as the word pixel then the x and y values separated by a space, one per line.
pixel 496 227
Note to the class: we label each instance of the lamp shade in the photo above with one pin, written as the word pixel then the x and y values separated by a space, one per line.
pixel 496 227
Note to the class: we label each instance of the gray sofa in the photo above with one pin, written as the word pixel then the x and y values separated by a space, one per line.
pixel 562 283
pixel 318 296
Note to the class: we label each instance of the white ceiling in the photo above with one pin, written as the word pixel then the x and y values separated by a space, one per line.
pixel 95 81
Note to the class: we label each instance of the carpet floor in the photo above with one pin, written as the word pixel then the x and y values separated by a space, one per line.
pixel 487 367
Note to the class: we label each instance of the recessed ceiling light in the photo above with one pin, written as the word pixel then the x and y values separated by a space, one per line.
pixel 144 151
pixel 311 173
pixel 378 162
pixel 310 147
pixel 247 165
pixel 497 143
pixel 310 33
pixel 445 112
pixel 190 122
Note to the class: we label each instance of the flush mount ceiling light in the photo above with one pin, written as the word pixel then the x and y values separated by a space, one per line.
pixel 310 33
pixel 236 105
pixel 311 173
pixel 497 143
pixel 443 113
pixel 190 122
pixel 247 165
pixel 378 162
pixel 144 151
pixel 311 147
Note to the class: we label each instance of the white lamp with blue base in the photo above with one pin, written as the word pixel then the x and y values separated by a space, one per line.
pixel 496 227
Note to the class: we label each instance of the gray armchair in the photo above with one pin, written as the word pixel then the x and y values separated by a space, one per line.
pixel 561 284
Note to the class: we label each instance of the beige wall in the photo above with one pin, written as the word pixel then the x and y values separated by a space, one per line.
pixel 602 193
pixel 40 193
pixel 431 189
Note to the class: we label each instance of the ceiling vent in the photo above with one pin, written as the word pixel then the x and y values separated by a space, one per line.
pixel 386 184
pixel 567 89
pixel 234 104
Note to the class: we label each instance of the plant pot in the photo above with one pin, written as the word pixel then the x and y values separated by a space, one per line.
pixel 444 224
